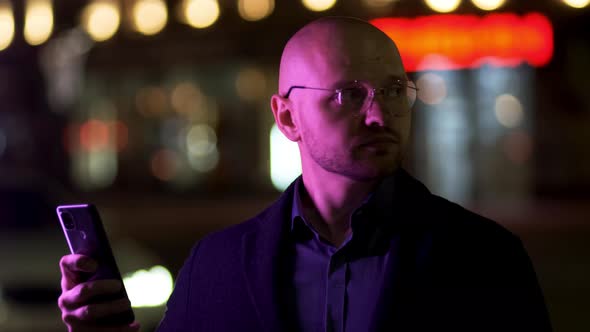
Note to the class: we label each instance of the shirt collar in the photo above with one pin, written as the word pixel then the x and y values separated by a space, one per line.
pixel 391 189
pixel 297 208
pixel 393 204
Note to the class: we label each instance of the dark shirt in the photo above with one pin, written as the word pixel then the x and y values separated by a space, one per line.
pixel 336 289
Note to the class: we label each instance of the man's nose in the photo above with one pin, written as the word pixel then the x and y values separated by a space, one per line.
pixel 377 112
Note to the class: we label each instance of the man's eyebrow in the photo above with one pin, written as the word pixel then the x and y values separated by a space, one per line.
pixel 342 83
pixel 388 79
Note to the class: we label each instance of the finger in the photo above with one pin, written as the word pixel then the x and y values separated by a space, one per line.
pixel 82 293
pixel 72 266
pixel 92 312
pixel 79 263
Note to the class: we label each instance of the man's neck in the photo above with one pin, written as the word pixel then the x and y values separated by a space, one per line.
pixel 329 200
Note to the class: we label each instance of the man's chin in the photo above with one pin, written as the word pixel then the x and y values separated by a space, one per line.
pixel 371 171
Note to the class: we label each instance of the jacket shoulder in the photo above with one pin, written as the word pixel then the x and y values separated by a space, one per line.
pixel 452 217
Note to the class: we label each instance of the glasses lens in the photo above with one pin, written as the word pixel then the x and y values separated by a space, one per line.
pixel 353 97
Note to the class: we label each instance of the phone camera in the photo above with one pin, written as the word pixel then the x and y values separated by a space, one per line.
pixel 68 220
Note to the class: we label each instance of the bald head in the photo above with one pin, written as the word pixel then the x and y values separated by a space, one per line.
pixel 335 46
pixel 332 54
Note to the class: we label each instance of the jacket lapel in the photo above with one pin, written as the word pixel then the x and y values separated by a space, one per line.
pixel 396 306
pixel 405 206
pixel 263 251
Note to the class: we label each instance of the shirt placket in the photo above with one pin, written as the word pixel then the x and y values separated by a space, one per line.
pixel 336 293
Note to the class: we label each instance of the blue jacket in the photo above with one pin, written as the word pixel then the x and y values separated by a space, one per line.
pixel 451 270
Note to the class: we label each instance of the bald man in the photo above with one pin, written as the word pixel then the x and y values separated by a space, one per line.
pixel 355 243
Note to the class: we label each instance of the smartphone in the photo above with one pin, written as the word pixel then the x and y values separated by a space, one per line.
pixel 85 235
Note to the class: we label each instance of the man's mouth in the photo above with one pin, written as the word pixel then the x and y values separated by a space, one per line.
pixel 379 141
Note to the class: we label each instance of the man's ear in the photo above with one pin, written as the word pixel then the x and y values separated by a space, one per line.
pixel 284 117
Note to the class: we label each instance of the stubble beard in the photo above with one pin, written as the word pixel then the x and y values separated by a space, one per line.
pixel 352 164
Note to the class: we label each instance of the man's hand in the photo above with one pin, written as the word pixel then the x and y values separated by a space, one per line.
pixel 76 311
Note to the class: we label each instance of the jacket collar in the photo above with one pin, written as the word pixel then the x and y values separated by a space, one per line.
pixel 263 254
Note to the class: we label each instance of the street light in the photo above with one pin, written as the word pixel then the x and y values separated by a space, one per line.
pixel 200 13
pixel 577 3
pixel 318 5
pixel 443 6
pixel 149 16
pixel 38 21
pixel 6 25
pixel 101 19
pixel 255 10
pixel 488 4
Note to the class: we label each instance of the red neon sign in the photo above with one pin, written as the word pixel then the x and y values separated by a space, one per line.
pixel 447 42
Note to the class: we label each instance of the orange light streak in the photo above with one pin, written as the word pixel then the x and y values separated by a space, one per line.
pixel 468 41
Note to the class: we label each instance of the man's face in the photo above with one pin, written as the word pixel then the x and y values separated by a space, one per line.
pixel 363 146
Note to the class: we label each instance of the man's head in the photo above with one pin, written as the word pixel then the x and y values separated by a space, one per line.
pixel 332 53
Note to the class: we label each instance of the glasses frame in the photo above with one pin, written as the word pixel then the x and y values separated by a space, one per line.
pixel 370 95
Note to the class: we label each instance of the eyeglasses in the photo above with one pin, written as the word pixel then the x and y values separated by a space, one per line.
pixel 359 96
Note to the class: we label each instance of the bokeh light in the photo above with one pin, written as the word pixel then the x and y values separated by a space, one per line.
pixel 577 3
pixel 204 163
pixel 443 6
pixel 432 88
pixel 201 143
pixel 318 5
pixel 488 4
pixel 205 112
pixel 100 167
pixel 508 110
pixel 101 19
pixel 200 13
pixel 255 10
pixel 93 150
pixel 250 84
pixel 451 42
pixel 165 164
pixel 6 25
pixel 201 140
pixel 38 21
pixel 149 288
pixel 186 97
pixel 151 101
pixel 94 135
pixel 150 16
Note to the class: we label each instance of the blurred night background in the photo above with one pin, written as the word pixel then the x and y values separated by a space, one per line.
pixel 158 113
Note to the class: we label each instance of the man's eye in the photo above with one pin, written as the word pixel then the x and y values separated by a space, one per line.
pixel 395 91
pixel 352 96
